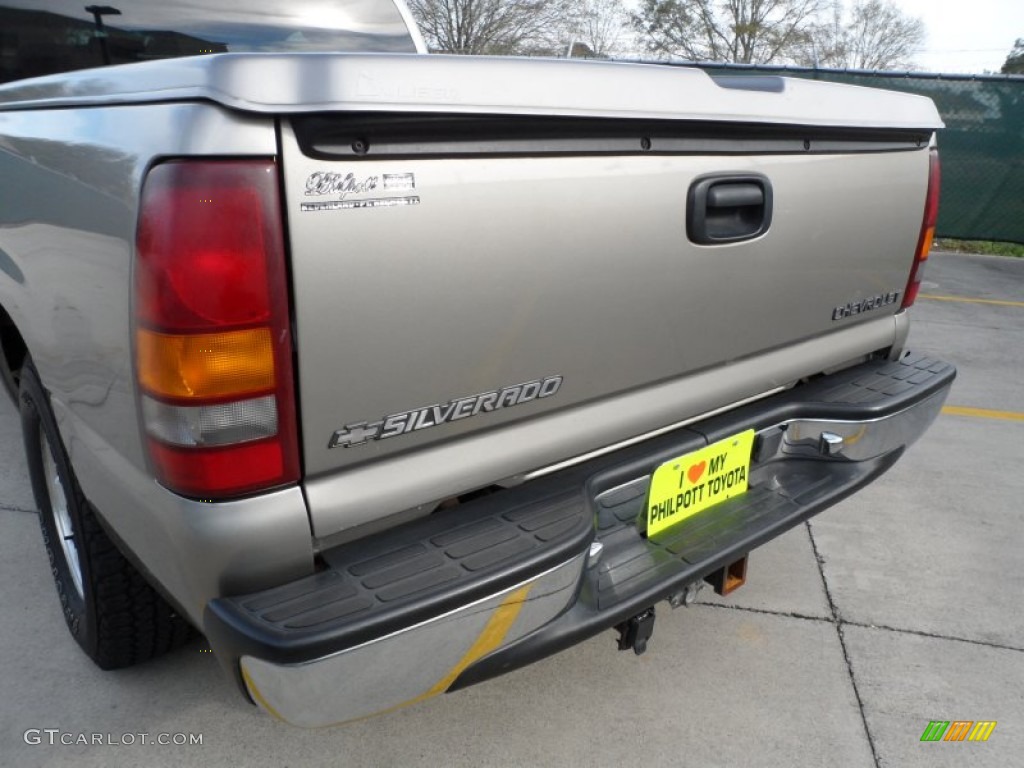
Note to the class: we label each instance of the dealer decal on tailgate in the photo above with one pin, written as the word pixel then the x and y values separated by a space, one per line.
pixel 689 484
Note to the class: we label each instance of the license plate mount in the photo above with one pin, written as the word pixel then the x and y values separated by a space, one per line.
pixel 689 484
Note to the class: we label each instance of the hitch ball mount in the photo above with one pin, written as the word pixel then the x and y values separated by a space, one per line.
pixel 635 632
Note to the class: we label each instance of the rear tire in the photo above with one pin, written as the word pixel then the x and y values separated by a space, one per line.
pixel 112 612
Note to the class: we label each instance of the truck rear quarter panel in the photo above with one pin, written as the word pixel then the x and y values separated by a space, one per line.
pixel 68 211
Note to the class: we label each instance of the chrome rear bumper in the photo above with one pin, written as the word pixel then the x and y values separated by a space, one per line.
pixel 411 664
pixel 471 593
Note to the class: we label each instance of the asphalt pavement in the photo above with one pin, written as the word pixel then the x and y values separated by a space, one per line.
pixel 899 606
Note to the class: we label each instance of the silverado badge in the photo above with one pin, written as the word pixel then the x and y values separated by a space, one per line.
pixel 404 422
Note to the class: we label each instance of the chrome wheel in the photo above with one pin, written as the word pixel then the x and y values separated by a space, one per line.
pixel 61 514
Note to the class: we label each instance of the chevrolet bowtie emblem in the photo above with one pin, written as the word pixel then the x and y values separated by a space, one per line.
pixel 355 434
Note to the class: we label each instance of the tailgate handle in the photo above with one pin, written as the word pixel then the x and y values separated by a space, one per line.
pixel 728 208
pixel 735 195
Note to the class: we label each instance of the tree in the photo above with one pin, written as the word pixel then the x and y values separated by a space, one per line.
pixel 875 34
pixel 488 26
pixel 597 26
pixel 745 31
pixel 1014 64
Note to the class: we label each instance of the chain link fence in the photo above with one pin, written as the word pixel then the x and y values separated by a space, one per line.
pixel 982 145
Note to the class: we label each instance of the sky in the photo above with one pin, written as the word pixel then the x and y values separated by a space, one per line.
pixel 966 36
pixel 962 36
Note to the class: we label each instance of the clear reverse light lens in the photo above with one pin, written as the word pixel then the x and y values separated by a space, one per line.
pixel 202 426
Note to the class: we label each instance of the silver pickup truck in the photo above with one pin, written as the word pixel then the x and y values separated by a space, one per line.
pixel 392 372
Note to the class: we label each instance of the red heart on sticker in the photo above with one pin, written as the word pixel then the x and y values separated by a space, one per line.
pixel 694 472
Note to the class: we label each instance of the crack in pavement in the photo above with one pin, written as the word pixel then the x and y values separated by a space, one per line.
pixel 770 612
pixel 838 621
pixel 933 635
pixel 5 508
pixel 862 625
pixel 840 624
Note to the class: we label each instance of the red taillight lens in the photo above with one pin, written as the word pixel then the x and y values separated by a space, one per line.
pixel 207 235
pixel 213 348
pixel 217 473
pixel 924 240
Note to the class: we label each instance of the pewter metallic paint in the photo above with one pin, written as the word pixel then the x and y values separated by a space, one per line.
pixel 274 83
pixel 369 491
pixel 493 276
pixel 68 206
pixel 508 269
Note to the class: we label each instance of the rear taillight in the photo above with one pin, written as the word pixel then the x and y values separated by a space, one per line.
pixel 213 350
pixel 924 240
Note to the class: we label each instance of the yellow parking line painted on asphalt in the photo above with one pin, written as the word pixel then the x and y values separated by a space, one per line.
pixel 969 300
pixel 982 413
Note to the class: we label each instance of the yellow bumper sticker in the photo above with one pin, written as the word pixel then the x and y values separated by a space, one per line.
pixel 689 484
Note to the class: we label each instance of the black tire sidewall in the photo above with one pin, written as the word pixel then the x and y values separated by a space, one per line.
pixel 37 416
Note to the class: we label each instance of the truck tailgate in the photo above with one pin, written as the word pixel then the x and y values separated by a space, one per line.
pixel 457 275
pixel 495 272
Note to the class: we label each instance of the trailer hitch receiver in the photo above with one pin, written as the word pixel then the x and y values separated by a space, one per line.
pixel 635 632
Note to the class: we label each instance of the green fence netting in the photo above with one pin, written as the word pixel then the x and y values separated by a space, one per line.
pixel 982 145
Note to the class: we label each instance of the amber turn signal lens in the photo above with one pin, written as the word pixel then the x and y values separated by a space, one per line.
pixel 926 244
pixel 206 365
pixel 927 232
